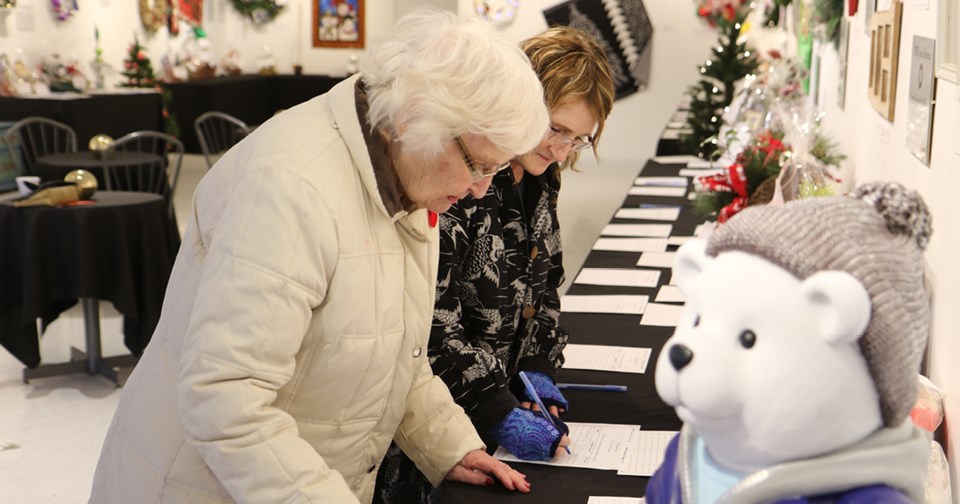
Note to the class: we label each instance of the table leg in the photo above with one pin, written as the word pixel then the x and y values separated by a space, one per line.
pixel 91 361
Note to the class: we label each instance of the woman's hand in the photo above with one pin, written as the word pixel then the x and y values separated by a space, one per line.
pixel 479 468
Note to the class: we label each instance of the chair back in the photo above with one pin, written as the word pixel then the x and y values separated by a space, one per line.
pixel 143 161
pixel 217 132
pixel 33 137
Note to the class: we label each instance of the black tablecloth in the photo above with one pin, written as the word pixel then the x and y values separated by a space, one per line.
pixel 639 405
pixel 114 114
pixel 56 166
pixel 118 249
pixel 251 98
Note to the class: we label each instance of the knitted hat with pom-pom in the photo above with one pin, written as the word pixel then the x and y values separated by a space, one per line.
pixel 878 236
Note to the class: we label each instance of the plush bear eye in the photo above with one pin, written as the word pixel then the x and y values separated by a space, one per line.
pixel 696 321
pixel 748 339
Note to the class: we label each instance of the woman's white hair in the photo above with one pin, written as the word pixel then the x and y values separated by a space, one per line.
pixel 438 76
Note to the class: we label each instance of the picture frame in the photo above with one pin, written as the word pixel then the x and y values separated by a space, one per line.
pixel 920 105
pixel 948 41
pixel 338 23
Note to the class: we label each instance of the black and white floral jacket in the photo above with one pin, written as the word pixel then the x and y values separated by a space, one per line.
pixel 497 304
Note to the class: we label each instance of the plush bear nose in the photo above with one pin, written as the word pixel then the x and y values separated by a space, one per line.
pixel 680 356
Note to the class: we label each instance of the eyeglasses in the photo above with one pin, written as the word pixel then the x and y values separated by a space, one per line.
pixel 575 143
pixel 479 172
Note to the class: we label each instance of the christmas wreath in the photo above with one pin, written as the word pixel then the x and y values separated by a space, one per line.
pixel 259 11
pixel 153 16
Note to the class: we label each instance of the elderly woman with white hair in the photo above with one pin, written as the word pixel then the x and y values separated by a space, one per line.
pixel 292 343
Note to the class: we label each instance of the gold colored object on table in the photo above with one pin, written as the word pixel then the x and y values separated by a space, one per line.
pixel 85 180
pixel 51 196
pixel 99 143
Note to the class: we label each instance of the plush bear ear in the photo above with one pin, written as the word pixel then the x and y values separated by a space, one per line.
pixel 689 263
pixel 840 304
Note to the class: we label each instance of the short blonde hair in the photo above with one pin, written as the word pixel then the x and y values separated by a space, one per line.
pixel 438 76
pixel 572 66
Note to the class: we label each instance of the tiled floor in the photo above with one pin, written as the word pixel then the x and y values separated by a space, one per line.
pixel 51 428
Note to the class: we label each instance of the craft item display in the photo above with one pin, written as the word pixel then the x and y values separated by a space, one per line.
pixel 794 364
pixel 621 27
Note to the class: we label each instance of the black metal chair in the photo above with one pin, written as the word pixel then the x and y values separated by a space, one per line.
pixel 217 132
pixel 143 161
pixel 33 137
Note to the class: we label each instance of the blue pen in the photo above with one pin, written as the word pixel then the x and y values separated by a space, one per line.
pixel 587 386
pixel 532 392
pixel 654 205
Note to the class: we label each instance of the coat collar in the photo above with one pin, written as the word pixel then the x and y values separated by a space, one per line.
pixel 343 106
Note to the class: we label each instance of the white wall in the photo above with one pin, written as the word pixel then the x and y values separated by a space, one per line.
pixel 32 26
pixel 679 46
pixel 877 151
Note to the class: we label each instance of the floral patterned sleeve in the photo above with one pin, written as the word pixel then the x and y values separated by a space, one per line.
pixel 470 368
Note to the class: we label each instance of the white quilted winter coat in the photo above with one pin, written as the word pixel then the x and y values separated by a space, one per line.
pixel 292 344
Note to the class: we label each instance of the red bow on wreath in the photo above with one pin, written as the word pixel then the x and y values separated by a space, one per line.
pixel 732 179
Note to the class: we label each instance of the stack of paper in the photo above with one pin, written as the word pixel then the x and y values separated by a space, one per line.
pixel 624 448
pixel 606 358
pixel 604 304
pixel 619 277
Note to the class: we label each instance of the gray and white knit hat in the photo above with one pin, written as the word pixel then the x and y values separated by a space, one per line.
pixel 877 235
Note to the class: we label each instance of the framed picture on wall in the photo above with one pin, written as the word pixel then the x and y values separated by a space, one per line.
pixel 338 23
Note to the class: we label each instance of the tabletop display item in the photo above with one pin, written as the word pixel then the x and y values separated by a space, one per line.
pixel 621 27
pixel 85 180
pixel 53 194
pixel 63 76
pixel 230 63
pixel 99 143
pixel 747 181
pixel 266 61
pixel 8 78
pixel 807 169
pixel 137 68
pixel 794 362
pixel 197 56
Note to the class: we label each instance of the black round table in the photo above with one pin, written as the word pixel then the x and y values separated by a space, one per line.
pixel 119 248
pixel 56 166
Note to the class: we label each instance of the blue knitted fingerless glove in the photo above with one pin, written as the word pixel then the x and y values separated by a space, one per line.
pixel 528 435
pixel 546 389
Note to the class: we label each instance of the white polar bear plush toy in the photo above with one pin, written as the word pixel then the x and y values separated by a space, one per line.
pixel 794 364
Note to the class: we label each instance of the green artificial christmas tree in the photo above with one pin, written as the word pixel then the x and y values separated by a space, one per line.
pixel 139 74
pixel 137 68
pixel 731 62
